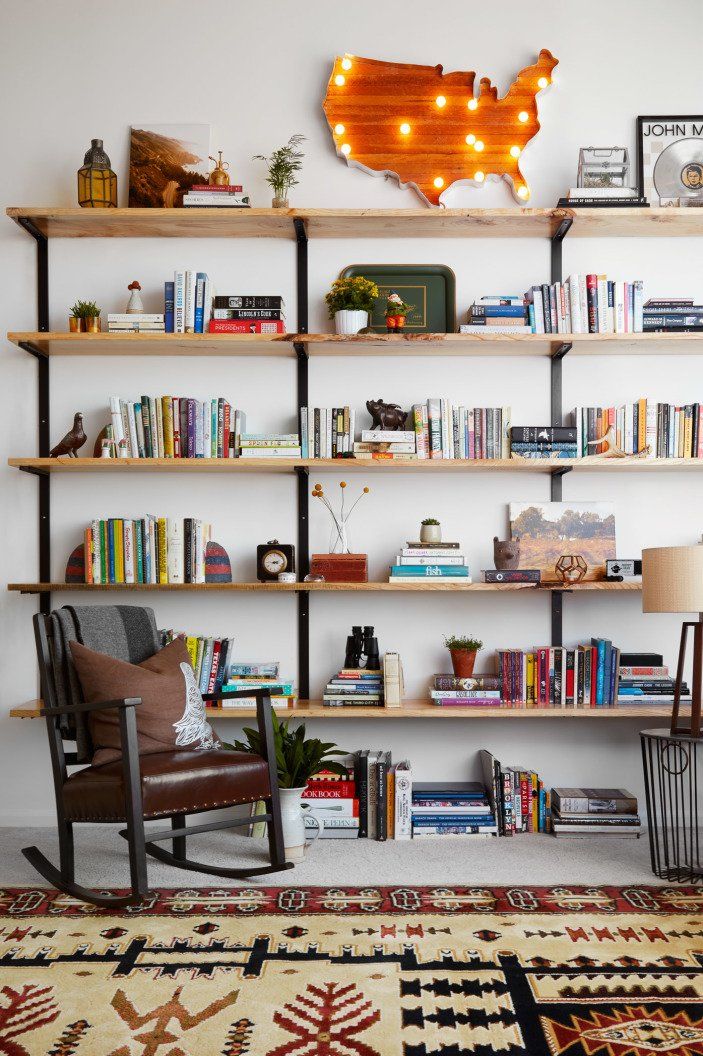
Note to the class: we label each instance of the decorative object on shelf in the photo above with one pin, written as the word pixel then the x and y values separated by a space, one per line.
pixel 219 177
pixel 283 164
pixel 549 529
pixel 622 568
pixel 298 759
pixel 388 417
pixel 350 303
pixel 286 577
pixel 75 566
pixel 104 434
pixel 362 650
pixel 272 558
pixel 571 568
pixel 603 167
pixel 84 318
pixel 396 312
pixel 338 568
pixel 672 581
pixel 430 531
pixel 314 577
pixel 670 159
pixel 506 553
pixel 106 447
pixel 612 449
pixel 97 183
pixel 217 564
pixel 165 161
pixel 72 441
pixel 463 652
pixel 123 449
pixel 134 304
pixel 428 129
pixel 430 288
pixel 339 540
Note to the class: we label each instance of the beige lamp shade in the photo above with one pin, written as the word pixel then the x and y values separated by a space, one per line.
pixel 672 579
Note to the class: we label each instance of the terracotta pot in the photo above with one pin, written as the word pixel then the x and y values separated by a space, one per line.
pixel 92 324
pixel 463 661
pixel 75 324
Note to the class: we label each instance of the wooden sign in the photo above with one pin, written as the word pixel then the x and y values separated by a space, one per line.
pixel 427 128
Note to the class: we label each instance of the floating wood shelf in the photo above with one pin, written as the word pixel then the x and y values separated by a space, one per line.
pixel 62 343
pixel 422 586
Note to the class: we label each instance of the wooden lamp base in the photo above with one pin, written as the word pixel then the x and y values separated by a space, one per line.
pixel 694 730
pixel 340 568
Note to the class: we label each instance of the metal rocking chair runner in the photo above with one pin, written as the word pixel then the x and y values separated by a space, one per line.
pixel 163 785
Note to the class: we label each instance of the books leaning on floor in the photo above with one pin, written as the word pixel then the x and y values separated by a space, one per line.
pixel 328 432
pixel 517 795
pixel 209 657
pixel 583 813
pixel 270 445
pixel 354 688
pixel 543 441
pixel 148 550
pixel 417 561
pixel 497 314
pixel 177 427
pixel 383 789
pixel 586 304
pixel 479 691
pixel 444 808
pixel 662 429
pixel 241 313
pixel 443 430
pixel 332 801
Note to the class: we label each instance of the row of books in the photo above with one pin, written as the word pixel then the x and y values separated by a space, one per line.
pixel 557 677
pixel 188 302
pixel 664 429
pixel 674 315
pixel 177 427
pixel 206 196
pixel 518 798
pixel 328 432
pixel 383 788
pixel 148 550
pixel 538 441
pixel 451 808
pixel 210 658
pixel 418 560
pixel 586 304
pixel 585 813
pixel 248 314
pixel 442 430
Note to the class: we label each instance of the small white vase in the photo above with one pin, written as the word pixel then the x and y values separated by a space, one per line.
pixel 292 817
pixel 350 322
pixel 430 533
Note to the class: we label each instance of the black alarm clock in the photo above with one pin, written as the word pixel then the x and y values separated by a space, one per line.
pixel 272 558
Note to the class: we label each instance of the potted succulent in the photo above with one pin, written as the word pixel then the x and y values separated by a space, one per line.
pixel 298 759
pixel 430 531
pixel 350 302
pixel 463 653
pixel 84 318
pixel 282 167
pixel 396 311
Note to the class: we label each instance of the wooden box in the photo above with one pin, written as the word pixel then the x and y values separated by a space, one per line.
pixel 340 568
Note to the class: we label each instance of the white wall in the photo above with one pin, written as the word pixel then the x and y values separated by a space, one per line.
pixel 257 73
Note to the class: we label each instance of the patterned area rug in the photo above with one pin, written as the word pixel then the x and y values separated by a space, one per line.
pixel 355 972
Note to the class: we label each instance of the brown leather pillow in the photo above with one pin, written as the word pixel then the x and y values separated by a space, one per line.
pixel 171 715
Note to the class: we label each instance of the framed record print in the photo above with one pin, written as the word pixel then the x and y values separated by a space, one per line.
pixel 670 159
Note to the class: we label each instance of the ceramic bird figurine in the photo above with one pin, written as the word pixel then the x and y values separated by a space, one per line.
pixel 612 449
pixel 73 439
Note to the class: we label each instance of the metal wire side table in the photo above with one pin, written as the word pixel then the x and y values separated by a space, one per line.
pixel 674 796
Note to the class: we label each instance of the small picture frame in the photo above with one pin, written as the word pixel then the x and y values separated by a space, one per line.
pixel 670 159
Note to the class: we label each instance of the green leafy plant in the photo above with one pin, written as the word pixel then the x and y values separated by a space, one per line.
pixel 85 310
pixel 297 759
pixel 429 520
pixel 283 165
pixel 469 645
pixel 355 294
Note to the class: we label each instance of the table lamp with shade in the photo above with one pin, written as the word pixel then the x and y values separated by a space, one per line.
pixel 672 581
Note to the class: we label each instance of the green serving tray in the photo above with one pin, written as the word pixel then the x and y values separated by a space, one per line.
pixel 430 288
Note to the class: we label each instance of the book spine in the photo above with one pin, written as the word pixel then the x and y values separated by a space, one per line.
pixel 179 301
pixel 199 309
pixel 189 310
pixel 243 326
pixel 168 308
pixel 592 299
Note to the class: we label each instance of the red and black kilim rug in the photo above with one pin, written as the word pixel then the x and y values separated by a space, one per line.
pixel 392 971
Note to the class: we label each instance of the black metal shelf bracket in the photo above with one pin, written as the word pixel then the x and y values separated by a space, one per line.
pixel 34 350
pixel 561 350
pixel 303 545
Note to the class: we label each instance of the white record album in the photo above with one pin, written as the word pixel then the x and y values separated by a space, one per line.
pixel 670 157
pixel 678 172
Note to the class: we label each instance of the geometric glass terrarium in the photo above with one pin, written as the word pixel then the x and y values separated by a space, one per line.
pixel 603 167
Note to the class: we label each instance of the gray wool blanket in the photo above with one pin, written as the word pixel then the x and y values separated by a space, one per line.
pixel 125 632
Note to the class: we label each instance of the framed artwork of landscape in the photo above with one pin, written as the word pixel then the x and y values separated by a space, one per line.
pixel 549 529
pixel 165 161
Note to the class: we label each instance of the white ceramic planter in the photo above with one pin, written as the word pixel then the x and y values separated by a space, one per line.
pixel 430 533
pixel 294 824
pixel 348 322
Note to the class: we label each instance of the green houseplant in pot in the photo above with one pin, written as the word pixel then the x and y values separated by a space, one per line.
pixel 84 318
pixel 463 653
pixel 283 164
pixel 297 760
pixel 350 302
pixel 430 531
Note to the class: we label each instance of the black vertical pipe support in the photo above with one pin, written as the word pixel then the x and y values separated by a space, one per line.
pixel 301 352
pixel 556 412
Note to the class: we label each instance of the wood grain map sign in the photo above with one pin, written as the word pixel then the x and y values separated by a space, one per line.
pixel 428 128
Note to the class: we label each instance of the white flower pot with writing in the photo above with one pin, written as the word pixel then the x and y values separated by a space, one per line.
pixel 293 819
pixel 350 321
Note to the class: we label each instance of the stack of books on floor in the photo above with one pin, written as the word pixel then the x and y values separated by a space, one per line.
pixel 479 691
pixel 586 304
pixel 603 198
pixel 644 679
pixel 556 677
pixel 150 550
pixel 446 431
pixel 497 314
pixel 386 445
pixel 270 445
pixel 674 316
pixel 417 561
pixel 354 688
pixel 204 195
pixel 662 430
pixel 383 789
pixel 248 314
pixel 136 322
pixel 328 432
pixel 209 657
pixel 543 441
pixel 451 808
pixel 331 803
pixel 583 813
pixel 176 427
pixel 518 797
pixel 187 302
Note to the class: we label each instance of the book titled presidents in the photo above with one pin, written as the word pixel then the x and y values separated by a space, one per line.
pixel 244 326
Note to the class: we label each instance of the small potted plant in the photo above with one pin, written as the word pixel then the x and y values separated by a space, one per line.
pixel 282 167
pixel 350 302
pixel 396 311
pixel 430 531
pixel 298 759
pixel 463 653
pixel 84 318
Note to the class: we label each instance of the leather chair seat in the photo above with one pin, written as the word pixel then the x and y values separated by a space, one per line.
pixel 172 783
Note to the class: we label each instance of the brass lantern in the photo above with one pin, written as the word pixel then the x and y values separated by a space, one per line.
pixel 97 183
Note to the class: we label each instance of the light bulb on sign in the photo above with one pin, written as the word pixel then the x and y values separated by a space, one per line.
pixel 515 151
pixel 523 116
pixel 438 182
pixel 339 130
pixel 479 176
pixel 542 82
pixel 523 192
pixel 441 101
pixel 345 148
pixel 339 80
pixel 405 128
pixel 471 139
pixel 472 104
pixel 478 145
pixel 346 64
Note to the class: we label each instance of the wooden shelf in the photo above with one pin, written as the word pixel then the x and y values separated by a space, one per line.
pixel 157 223
pixel 62 343
pixel 423 586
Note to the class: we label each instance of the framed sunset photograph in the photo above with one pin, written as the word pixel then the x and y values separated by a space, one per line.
pixel 165 161
pixel 548 530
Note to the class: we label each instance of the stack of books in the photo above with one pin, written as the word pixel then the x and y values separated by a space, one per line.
pixel 270 445
pixel 149 550
pixel 133 322
pixel 187 302
pixel 667 431
pixel 497 314
pixel 258 675
pixel 418 560
pixel 672 315
pixel 384 792
pixel 451 808
pixel 328 432
pixel 387 445
pixel 242 313
pixel 588 812
pixel 354 688
pixel 331 801
pixel 209 657
pixel 603 198
pixel 586 304
pixel 518 797
pixel 556 677
pixel 177 427
pixel 644 679
pixel 446 431
pixel 203 195
pixel 480 691
pixel 543 441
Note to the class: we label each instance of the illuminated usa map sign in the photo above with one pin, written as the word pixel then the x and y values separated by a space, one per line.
pixel 428 128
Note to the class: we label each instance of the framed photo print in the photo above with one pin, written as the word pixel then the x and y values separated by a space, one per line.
pixel 670 159
pixel 548 530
